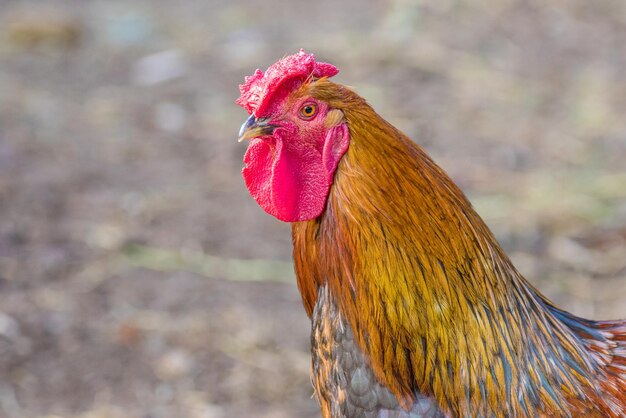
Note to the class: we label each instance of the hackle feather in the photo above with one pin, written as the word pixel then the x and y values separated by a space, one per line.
pixel 434 302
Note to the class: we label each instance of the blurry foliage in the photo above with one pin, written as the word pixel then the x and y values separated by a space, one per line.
pixel 207 265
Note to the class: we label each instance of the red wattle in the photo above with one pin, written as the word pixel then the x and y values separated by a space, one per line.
pixel 289 179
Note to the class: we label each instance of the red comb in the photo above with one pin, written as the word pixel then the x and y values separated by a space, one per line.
pixel 259 88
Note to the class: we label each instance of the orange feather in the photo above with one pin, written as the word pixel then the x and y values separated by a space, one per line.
pixel 435 304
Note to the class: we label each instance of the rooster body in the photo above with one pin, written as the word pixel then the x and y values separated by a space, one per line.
pixel 344 382
pixel 416 310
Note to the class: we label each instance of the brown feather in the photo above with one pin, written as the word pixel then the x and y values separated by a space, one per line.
pixel 434 302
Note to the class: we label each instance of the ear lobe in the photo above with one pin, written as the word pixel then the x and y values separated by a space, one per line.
pixel 335 145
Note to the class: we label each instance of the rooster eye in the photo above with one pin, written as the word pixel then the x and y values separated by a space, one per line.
pixel 308 111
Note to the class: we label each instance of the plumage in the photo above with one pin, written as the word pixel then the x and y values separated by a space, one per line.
pixel 410 295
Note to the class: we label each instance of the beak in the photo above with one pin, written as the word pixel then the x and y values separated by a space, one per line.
pixel 253 128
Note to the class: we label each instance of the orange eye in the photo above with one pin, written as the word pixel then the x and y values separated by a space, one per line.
pixel 308 111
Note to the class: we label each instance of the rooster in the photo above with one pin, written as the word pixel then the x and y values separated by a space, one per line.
pixel 416 310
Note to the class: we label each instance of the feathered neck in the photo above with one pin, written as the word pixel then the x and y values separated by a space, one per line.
pixel 433 300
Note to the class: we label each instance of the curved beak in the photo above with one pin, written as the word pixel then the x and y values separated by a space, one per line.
pixel 254 127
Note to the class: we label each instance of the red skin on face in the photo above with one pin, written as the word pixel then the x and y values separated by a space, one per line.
pixel 290 172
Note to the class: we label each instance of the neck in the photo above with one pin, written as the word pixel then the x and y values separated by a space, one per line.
pixel 433 300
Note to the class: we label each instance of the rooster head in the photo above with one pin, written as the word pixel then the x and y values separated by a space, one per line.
pixel 296 140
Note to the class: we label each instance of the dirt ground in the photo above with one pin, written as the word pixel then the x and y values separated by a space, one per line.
pixel 139 279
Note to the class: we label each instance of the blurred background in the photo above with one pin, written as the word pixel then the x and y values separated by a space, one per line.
pixel 139 279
